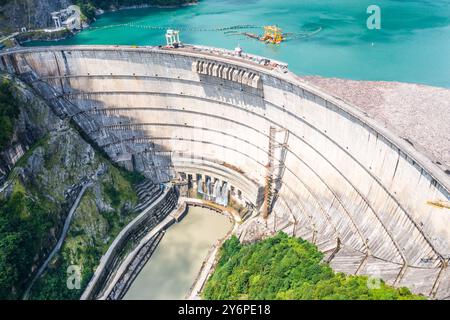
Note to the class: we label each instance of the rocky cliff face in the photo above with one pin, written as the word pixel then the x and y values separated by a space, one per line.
pixel 32 14
pixel 35 14
pixel 34 121
pixel 44 168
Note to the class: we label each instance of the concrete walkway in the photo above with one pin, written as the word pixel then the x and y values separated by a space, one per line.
pixel 104 260
pixel 6 185
pixel 198 202
pixel 174 216
pixel 129 258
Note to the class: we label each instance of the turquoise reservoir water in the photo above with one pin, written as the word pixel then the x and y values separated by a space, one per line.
pixel 413 44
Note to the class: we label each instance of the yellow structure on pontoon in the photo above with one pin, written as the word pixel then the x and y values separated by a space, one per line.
pixel 272 34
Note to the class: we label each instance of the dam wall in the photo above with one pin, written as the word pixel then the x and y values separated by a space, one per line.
pixel 339 179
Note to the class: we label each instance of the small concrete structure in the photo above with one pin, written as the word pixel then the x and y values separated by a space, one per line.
pixel 173 38
pixel 69 18
pixel 238 51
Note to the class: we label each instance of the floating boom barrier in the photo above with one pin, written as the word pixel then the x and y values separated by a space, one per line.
pixel 227 30
pixel 149 27
pixel 286 36
pixel 301 35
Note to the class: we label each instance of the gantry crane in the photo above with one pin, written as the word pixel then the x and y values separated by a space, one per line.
pixel 272 34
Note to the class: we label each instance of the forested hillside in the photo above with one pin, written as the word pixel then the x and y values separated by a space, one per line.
pixel 88 6
pixel 16 14
pixel 284 267
pixel 40 187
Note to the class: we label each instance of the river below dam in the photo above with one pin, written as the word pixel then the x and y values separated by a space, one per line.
pixel 325 37
pixel 172 269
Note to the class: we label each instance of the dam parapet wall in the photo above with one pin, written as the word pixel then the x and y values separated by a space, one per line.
pixel 341 180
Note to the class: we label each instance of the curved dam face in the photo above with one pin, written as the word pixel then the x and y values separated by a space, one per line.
pixel 335 177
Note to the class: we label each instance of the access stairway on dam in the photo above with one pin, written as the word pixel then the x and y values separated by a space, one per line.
pixel 158 213
pixel 147 192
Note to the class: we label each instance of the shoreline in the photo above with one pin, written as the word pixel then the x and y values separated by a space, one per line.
pixel 208 267
pixel 145 6
pixel 99 13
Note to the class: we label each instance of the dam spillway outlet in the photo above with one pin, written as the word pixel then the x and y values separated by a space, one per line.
pixel 255 133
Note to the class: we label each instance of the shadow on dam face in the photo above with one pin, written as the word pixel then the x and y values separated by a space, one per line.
pixel 340 180
pixel 128 143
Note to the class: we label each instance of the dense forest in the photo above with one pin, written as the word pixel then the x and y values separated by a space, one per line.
pixel 122 3
pixel 88 6
pixel 9 111
pixel 24 226
pixel 284 267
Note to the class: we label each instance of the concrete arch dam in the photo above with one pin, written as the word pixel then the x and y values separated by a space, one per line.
pixel 335 177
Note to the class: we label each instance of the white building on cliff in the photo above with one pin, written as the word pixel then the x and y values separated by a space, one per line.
pixel 69 18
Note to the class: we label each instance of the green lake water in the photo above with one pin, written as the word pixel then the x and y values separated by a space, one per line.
pixel 173 267
pixel 413 44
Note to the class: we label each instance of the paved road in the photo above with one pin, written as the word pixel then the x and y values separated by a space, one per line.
pixel 9 37
pixel 61 239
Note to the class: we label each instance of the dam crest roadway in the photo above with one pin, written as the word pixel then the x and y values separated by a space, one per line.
pixel 339 179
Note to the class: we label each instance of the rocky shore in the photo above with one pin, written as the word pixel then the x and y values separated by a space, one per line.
pixel 413 111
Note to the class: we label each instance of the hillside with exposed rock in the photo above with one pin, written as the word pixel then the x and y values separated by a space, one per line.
pixel 44 168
